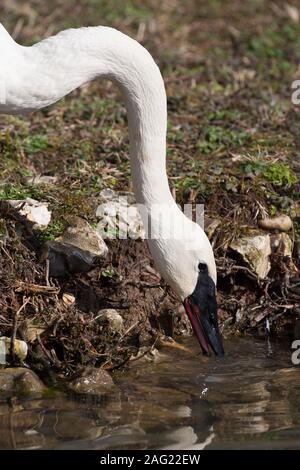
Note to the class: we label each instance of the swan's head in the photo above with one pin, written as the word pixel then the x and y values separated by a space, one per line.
pixel 188 265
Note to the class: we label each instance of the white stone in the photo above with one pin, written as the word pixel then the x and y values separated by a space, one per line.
pixel 33 211
pixel 255 251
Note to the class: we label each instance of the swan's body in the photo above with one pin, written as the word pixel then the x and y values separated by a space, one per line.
pixel 37 76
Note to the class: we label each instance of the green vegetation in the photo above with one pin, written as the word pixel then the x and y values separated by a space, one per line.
pixel 217 138
pixel 36 143
pixel 17 191
pixel 280 174
pixel 54 230
pixel 277 173
pixel 109 272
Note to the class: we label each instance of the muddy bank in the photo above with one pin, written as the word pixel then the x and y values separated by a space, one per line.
pixel 121 309
pixel 65 321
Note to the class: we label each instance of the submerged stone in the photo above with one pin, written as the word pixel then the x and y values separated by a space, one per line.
pixel 20 381
pixel 93 381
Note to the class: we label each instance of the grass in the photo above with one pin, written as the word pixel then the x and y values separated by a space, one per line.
pixel 228 95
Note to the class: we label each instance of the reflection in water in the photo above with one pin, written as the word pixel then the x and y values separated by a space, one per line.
pixel 249 399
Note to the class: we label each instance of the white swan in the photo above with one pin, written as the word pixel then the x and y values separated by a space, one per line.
pixel 37 76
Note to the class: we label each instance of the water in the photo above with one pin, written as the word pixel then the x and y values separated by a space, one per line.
pixel 249 399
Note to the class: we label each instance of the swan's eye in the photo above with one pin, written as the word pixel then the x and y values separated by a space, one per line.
pixel 202 268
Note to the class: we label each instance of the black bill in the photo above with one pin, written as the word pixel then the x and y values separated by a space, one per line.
pixel 201 308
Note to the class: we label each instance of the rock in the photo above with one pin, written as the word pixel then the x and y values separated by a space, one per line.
pixel 292 12
pixel 119 216
pixel 113 318
pixel 255 251
pixel 295 210
pixel 42 179
pixel 282 246
pixel 34 212
pixel 20 381
pixel 75 250
pixel 28 383
pixel 68 299
pixel 21 349
pixel 283 223
pixel 93 381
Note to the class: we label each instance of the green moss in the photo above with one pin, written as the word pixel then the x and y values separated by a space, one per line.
pixel 280 174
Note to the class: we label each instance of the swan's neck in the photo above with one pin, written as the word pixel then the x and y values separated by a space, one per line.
pixel 5 37
pixel 55 66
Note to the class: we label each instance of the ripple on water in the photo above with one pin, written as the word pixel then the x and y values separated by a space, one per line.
pixel 249 399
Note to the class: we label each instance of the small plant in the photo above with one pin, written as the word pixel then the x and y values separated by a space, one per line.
pixel 272 210
pixel 254 167
pixel 266 46
pixel 216 137
pixel 36 143
pixel 109 272
pixel 53 231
